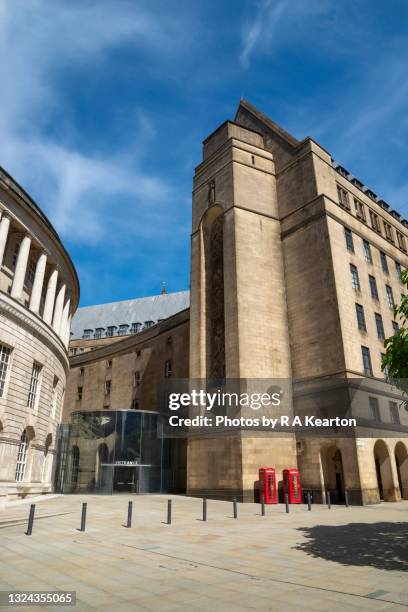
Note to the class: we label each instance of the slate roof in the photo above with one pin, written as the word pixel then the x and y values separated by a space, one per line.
pixel 138 310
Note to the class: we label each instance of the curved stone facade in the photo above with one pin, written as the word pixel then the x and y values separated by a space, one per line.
pixel 39 293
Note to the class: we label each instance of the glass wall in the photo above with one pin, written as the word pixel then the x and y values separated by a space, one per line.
pixel 115 451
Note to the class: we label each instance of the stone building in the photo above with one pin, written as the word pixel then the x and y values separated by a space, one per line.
pixel 39 293
pixel 295 267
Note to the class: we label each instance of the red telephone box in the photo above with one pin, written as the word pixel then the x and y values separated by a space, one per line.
pixel 267 484
pixel 291 485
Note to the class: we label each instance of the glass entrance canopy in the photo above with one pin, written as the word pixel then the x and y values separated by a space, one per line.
pixel 115 451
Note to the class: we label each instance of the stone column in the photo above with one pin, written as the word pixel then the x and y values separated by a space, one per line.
pixel 68 331
pixel 38 283
pixel 21 268
pixel 64 320
pixel 59 304
pixel 50 296
pixel 4 230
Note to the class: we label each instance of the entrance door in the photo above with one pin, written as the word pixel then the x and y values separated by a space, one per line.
pixel 126 479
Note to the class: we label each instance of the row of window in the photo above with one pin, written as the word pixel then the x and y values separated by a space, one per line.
pixel 368 254
pixel 168 371
pixel 361 322
pixel 116 330
pixel 376 414
pixel 360 210
pixel 355 283
pixel 35 380
pixel 367 365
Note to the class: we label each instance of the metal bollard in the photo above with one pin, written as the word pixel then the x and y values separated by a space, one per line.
pixel 169 511
pixel 234 506
pixel 309 501
pixel 287 503
pixel 204 508
pixel 346 498
pixel 83 517
pixel 129 518
pixel 30 520
pixel 263 505
pixel 328 500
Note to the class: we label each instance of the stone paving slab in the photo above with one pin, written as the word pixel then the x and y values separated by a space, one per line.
pixel 344 558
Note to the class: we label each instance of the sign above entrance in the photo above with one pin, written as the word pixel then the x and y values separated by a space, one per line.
pixel 126 463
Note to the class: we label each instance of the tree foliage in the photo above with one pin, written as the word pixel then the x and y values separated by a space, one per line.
pixel 395 359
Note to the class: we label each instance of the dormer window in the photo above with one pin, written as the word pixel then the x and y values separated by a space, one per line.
pixel 99 332
pixel 111 331
pixel 87 334
pixel 123 329
pixel 148 324
pixel 136 327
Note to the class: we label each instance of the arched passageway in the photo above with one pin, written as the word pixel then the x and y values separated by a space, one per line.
pixel 383 471
pixel 401 460
pixel 333 473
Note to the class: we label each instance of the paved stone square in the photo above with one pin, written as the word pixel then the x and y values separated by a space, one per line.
pixel 343 558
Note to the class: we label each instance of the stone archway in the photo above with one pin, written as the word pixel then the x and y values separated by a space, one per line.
pixel 401 460
pixel 333 472
pixel 383 468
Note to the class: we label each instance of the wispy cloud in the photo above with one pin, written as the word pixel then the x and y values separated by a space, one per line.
pixel 84 190
pixel 277 23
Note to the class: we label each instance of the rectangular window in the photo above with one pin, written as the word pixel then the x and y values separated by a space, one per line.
pixel 135 328
pixel 31 272
pixel 373 287
pixel 99 332
pixel 349 240
pixel 360 210
pixel 367 367
pixel 108 387
pixel 343 197
pixel 385 370
pixel 54 396
pixel 398 269
pixel 379 325
pixel 361 324
pixel 123 330
pixel 384 263
pixel 375 409
pixel 5 353
pixel 35 378
pixel 389 234
pixel 136 378
pixel 390 296
pixel 167 368
pixel 401 241
pixel 395 327
pixel 394 414
pixel 111 331
pixel 15 254
pixel 79 394
pixel 375 222
pixel 355 281
pixel 87 334
pixel 367 252
pixel 21 457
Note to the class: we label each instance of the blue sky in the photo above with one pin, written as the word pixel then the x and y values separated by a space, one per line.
pixel 105 103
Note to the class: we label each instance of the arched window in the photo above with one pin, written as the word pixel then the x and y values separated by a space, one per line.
pixel 22 456
pixel 75 465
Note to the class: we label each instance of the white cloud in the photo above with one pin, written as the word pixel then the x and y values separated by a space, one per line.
pixel 279 23
pixel 85 193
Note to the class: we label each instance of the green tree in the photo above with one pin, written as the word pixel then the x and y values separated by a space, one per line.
pixel 395 359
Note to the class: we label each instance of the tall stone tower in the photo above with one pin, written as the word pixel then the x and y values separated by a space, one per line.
pixel 238 318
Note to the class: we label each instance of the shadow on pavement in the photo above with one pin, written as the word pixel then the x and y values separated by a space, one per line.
pixel 380 545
